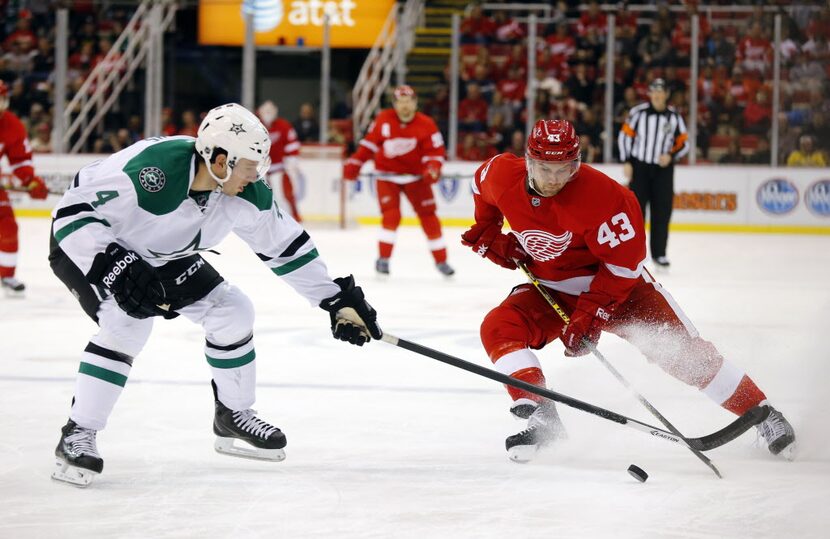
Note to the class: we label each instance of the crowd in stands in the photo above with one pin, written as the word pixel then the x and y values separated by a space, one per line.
pixel 734 115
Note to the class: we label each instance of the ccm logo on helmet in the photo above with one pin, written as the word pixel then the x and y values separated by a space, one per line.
pixel 119 268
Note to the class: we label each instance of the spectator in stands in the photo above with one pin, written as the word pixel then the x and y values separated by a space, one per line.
pixel 561 44
pixel 190 126
pixel 508 30
pixel 485 84
pixel 806 155
pixel 758 114
pixel 818 48
pixel 438 107
pixel 512 88
pixel 728 116
pixel 733 155
pixel 788 136
pixel 477 27
pixel 590 125
pixel 761 155
pixel 42 141
pixel 588 151
pixel 43 60
pixel 580 86
pixel 754 51
pixel 654 48
pixel 20 101
pixel 673 81
pixel 471 149
pixel 789 47
pixel 472 111
pixel 806 75
pixel 592 19
pixel 497 131
pixel 517 143
pixel 135 129
pixel 18 61
pixel 590 46
pixel 168 126
pixel 498 106
pixel 818 127
pixel 23 34
pixel 719 50
pixel 709 88
pixel 306 126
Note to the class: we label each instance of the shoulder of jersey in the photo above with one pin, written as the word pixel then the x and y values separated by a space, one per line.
pixel 160 172
pixel 386 115
pixel 501 172
pixel 258 194
pixel 601 188
pixel 13 122
pixel 425 119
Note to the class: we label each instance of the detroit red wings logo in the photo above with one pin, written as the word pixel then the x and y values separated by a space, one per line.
pixel 543 246
pixel 396 147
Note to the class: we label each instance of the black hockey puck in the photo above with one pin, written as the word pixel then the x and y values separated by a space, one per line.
pixel 638 473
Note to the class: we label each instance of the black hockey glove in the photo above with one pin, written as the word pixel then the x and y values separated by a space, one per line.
pixel 352 318
pixel 131 280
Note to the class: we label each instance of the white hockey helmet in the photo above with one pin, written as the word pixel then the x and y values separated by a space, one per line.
pixel 236 130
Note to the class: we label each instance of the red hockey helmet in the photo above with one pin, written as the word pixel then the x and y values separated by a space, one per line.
pixel 553 140
pixel 552 156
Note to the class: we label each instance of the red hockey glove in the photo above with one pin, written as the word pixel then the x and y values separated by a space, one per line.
pixel 351 169
pixel 586 326
pixel 489 242
pixel 432 171
pixel 37 188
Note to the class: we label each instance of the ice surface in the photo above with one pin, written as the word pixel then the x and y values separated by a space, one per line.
pixel 385 443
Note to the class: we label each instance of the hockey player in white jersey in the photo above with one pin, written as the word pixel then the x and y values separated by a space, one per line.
pixel 126 239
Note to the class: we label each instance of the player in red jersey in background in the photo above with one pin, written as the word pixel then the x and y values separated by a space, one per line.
pixel 285 149
pixel 581 233
pixel 408 151
pixel 14 144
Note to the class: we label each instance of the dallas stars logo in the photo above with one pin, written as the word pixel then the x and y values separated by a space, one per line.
pixel 189 249
pixel 237 129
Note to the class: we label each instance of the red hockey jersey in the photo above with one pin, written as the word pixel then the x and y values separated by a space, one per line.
pixel 401 148
pixel 14 144
pixel 284 143
pixel 589 237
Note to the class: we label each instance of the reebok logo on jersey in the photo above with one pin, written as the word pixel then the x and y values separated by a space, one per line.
pixel 118 269
pixel 152 179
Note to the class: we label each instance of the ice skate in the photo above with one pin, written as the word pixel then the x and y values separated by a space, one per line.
pixel 777 434
pixel 543 428
pixel 263 441
pixel 78 461
pixel 12 287
pixel 382 267
pixel 661 264
pixel 445 269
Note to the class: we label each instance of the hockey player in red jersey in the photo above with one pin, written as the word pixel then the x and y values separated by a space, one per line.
pixel 285 149
pixel 14 144
pixel 581 233
pixel 408 151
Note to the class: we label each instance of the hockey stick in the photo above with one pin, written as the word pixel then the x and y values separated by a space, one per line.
pixel 705 443
pixel 597 354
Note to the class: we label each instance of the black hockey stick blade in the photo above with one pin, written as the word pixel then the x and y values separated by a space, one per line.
pixel 752 417
pixel 705 443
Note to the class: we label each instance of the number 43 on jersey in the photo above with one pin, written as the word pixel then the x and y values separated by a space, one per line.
pixel 621 231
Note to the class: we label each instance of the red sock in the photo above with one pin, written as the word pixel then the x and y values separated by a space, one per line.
pixel 746 396
pixel 532 375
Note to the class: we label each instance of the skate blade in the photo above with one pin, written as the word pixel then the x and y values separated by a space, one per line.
pixel 522 453
pixel 75 476
pixel 789 453
pixel 226 446
pixel 14 294
pixel 382 277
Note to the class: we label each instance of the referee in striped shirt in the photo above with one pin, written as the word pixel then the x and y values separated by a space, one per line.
pixel 651 140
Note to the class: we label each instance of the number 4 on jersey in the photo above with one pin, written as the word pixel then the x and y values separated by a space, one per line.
pixel 606 235
pixel 104 197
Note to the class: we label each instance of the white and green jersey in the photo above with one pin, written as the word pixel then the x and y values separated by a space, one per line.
pixel 139 198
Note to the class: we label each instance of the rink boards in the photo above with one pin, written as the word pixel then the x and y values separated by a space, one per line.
pixel 716 198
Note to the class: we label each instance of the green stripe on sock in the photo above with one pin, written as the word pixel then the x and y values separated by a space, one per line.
pixel 231 363
pixel 102 374
pixel 296 264
pixel 77 225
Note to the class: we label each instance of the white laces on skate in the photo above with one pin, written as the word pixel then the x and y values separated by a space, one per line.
pixel 82 442
pixel 773 428
pixel 250 423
